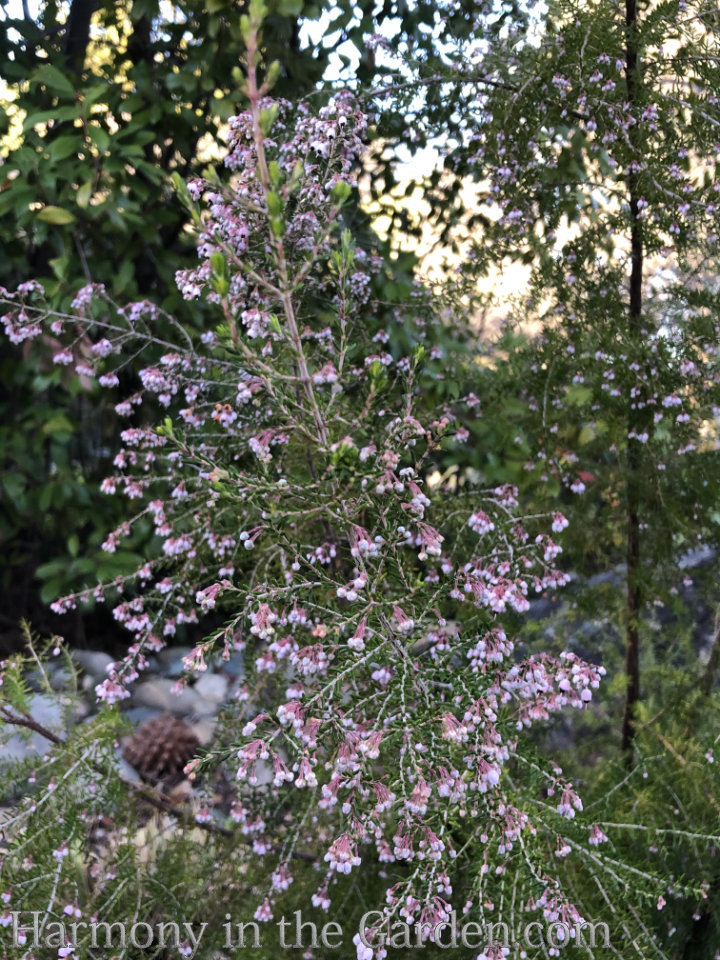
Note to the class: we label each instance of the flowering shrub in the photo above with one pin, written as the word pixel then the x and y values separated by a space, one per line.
pixel 292 486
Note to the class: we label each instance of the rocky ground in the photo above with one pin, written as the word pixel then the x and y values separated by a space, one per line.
pixel 153 695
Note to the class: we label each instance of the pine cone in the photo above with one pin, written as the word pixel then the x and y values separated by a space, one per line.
pixel 160 748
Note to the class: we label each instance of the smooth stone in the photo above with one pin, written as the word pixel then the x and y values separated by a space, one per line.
pixel 169 654
pixel 62 679
pixel 81 710
pixel 212 686
pixel 46 711
pixel 234 665
pixel 204 729
pixel 139 715
pixel 207 708
pixel 128 773
pixel 124 769
pixel 35 680
pixel 157 693
pixel 93 662
pixel 174 670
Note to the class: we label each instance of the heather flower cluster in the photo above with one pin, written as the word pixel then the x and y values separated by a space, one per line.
pixel 289 484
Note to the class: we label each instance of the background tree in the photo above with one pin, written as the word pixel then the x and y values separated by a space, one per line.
pixel 102 103
pixel 592 135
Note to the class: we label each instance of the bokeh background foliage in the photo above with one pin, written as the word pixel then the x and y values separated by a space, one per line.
pixel 100 105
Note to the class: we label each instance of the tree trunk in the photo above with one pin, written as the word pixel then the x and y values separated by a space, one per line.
pixel 77 35
pixel 634 478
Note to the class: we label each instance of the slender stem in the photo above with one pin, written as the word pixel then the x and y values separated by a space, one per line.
pixel 254 94
pixel 634 479
pixel 439 78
